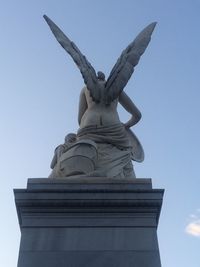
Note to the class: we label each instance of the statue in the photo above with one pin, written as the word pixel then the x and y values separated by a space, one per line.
pixel 110 144
pixel 74 157
pixel 61 149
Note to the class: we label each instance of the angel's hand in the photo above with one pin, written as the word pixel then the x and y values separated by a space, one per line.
pixel 127 125
pixel 131 122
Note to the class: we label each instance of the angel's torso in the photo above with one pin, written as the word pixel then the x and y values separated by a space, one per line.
pixel 99 114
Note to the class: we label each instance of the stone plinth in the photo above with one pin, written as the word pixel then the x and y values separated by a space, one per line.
pixel 88 222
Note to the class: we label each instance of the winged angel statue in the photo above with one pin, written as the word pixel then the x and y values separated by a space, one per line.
pixel 103 145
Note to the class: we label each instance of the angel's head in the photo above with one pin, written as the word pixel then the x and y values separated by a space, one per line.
pixel 101 76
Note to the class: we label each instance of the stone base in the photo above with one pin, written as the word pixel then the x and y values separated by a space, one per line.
pixel 88 222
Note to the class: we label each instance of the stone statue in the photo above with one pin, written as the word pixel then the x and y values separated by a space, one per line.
pixel 74 157
pixel 100 126
pixel 61 149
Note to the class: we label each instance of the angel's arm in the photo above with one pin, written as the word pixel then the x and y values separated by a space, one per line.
pixel 82 105
pixel 129 106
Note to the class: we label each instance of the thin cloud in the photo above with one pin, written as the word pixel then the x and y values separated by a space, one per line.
pixel 193 227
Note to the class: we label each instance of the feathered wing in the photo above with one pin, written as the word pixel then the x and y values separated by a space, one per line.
pixel 124 67
pixel 86 69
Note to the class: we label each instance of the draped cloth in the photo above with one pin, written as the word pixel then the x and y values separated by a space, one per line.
pixel 114 150
pixel 114 134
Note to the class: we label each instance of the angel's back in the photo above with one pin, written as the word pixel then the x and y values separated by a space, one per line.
pixel 98 114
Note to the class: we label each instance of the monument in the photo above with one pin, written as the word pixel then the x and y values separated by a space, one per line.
pixel 92 210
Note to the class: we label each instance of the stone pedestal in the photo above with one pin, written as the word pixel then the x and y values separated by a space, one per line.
pixel 88 222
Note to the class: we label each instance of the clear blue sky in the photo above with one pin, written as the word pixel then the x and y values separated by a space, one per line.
pixel 40 86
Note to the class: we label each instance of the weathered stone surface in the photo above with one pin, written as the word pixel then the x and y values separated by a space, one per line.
pixel 90 222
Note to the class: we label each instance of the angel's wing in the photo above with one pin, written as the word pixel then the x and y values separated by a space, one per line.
pixel 123 69
pixel 86 69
